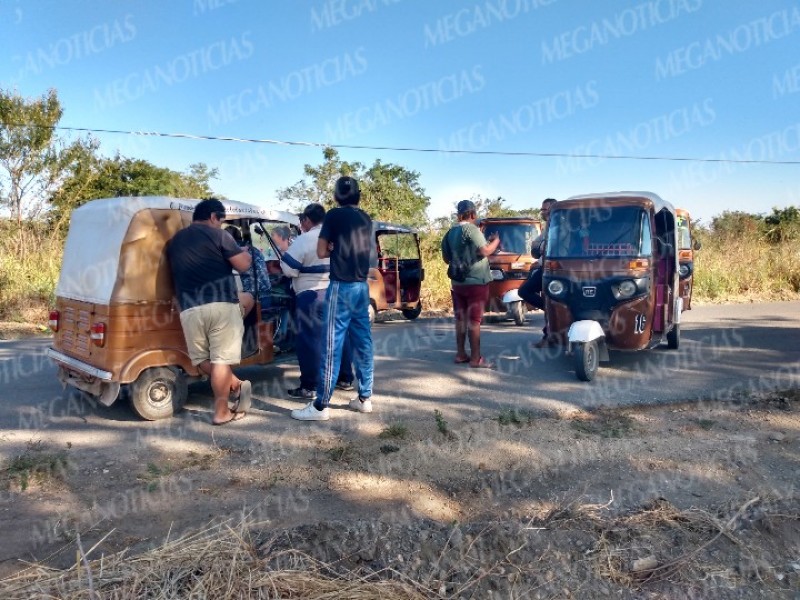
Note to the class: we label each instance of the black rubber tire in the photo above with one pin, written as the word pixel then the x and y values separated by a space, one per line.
pixel 159 393
pixel 518 312
pixel 587 360
pixel 413 313
pixel 674 337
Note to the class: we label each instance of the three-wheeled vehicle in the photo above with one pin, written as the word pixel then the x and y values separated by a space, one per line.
pixel 511 263
pixel 115 323
pixel 396 272
pixel 611 276
pixel 686 249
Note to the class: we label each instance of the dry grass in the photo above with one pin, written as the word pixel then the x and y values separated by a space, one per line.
pixel 222 561
pixel 30 261
pixel 747 271
pixel 662 544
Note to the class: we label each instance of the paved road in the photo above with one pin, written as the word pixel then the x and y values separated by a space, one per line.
pixel 726 351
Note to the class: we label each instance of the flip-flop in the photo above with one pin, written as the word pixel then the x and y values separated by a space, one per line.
pixel 243 401
pixel 236 416
pixel 482 364
pixel 461 361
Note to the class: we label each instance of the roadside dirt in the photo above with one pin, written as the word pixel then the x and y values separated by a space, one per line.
pixel 678 501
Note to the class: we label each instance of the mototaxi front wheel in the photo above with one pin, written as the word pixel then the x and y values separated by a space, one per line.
pixel 587 360
pixel 517 310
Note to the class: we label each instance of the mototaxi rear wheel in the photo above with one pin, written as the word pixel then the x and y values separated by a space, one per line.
pixel 158 393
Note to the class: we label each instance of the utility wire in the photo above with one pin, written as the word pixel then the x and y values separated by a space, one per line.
pixel 216 138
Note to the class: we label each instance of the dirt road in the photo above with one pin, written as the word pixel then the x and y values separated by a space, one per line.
pixel 448 448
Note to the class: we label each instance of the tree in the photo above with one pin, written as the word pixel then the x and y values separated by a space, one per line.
pixel 783 225
pixel 388 192
pixel 99 177
pixel 496 207
pixel 317 186
pixel 735 225
pixel 34 160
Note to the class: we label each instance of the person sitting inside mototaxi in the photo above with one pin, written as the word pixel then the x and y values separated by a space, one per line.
pixel 247 296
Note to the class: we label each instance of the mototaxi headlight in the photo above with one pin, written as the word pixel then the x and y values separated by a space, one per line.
pixel 496 274
pixel 556 287
pixel 683 270
pixel 626 289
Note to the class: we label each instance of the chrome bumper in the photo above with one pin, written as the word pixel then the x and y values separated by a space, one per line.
pixel 77 365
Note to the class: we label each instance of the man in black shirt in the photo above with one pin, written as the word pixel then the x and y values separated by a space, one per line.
pixel 201 257
pixel 346 237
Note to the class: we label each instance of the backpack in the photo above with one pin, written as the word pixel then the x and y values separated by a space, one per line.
pixel 458 269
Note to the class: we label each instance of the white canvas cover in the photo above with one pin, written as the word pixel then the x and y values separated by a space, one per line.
pixel 91 263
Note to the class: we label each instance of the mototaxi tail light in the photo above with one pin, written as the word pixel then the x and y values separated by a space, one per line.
pixel 53 320
pixel 98 334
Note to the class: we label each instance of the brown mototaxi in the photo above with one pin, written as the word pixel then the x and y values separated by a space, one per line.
pixel 396 272
pixel 611 276
pixel 115 323
pixel 511 263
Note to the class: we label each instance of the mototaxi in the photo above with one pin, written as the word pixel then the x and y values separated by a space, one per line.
pixel 511 263
pixel 396 272
pixel 611 276
pixel 115 325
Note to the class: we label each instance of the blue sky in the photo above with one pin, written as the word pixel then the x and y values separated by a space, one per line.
pixel 706 79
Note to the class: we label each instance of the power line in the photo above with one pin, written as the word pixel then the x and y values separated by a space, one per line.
pixel 191 136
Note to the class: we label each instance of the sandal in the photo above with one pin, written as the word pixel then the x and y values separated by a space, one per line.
pixel 482 364
pixel 461 361
pixel 236 416
pixel 243 401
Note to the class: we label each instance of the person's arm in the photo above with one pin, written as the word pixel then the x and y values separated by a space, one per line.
pixel 241 262
pixel 326 233
pixel 290 265
pixel 536 246
pixel 485 248
pixel 490 247
pixel 446 249
pixel 238 257
pixel 323 248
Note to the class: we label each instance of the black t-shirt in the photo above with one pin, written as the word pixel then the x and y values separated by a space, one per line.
pixel 198 256
pixel 350 230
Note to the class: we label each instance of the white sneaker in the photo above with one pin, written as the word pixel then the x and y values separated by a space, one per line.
pixel 364 406
pixel 309 413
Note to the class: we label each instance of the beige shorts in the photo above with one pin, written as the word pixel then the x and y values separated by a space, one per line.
pixel 214 332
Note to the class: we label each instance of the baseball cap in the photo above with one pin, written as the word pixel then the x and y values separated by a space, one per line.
pixel 466 206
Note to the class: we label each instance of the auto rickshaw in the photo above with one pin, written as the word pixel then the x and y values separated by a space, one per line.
pixel 611 276
pixel 115 323
pixel 686 249
pixel 511 264
pixel 396 272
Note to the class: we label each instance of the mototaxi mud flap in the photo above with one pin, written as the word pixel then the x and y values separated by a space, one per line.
pixel 583 332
